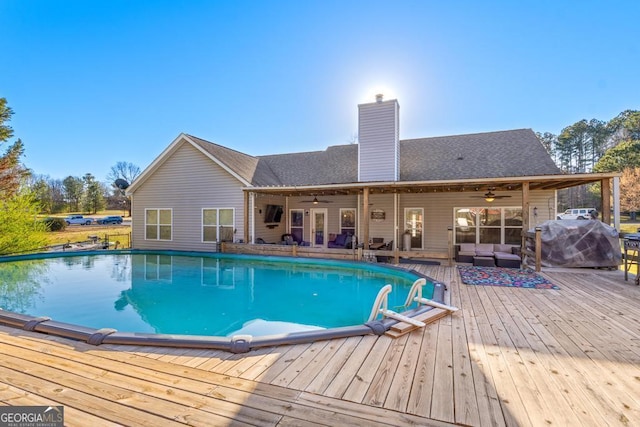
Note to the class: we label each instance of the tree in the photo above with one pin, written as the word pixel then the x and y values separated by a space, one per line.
pixel 73 191
pixel 49 193
pixel 630 190
pixel 93 198
pixel 12 172
pixel 550 142
pixel 624 155
pixel 19 229
pixel 122 174
pixel 625 126
pixel 123 170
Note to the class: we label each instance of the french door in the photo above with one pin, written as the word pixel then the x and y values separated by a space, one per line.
pixel 318 236
pixel 413 218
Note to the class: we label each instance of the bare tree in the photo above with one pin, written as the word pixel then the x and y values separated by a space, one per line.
pixel 122 174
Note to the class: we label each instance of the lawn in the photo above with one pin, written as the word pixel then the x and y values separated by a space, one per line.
pixel 81 233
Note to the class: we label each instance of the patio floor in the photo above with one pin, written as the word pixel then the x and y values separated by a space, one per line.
pixel 510 356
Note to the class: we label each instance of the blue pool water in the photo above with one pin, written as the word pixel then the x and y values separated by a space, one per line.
pixel 214 295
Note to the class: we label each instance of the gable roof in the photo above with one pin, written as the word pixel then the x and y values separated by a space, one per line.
pixel 336 165
pixel 511 153
pixel 248 167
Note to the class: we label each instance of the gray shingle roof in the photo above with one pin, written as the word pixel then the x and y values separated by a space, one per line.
pixel 336 165
pixel 511 153
pixel 248 167
pixel 508 153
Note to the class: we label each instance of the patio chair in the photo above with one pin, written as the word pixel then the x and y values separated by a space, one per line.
pixel 387 247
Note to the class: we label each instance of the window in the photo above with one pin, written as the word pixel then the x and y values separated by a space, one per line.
pixel 158 268
pixel 413 225
pixel 158 224
pixel 488 225
pixel 217 273
pixel 296 227
pixel 218 224
pixel 348 221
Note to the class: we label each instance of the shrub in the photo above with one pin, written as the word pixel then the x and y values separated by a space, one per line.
pixel 55 224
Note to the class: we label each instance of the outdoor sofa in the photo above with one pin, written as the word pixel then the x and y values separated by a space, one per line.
pixel 502 255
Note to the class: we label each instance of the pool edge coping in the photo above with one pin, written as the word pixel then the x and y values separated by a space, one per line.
pixel 235 344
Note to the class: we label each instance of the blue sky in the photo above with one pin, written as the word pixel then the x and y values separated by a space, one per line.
pixel 96 82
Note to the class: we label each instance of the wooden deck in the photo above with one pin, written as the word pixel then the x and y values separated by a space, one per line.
pixel 516 357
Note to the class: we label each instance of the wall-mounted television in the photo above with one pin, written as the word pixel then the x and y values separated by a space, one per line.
pixel 273 213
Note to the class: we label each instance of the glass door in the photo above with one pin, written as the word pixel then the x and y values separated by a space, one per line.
pixel 318 228
pixel 413 218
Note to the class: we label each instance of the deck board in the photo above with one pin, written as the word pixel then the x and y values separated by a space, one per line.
pixel 508 357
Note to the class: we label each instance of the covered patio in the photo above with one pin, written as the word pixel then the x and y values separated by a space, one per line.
pixel 438 198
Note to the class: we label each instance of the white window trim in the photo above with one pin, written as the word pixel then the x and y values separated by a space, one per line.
pixel 296 226
pixel 218 225
pixel 422 232
pixel 355 226
pixel 158 224
pixel 156 261
pixel 478 227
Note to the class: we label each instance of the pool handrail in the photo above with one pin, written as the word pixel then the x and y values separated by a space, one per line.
pixel 380 306
pixel 415 295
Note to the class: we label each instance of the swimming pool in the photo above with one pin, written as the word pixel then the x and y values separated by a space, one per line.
pixel 195 294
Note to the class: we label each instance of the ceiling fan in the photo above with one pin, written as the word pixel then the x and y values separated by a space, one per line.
pixel 489 196
pixel 315 201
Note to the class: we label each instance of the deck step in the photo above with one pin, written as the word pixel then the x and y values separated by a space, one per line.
pixel 401 328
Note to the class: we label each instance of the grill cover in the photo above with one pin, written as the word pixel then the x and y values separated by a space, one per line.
pixel 578 243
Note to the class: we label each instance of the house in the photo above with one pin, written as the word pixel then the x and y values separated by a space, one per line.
pixel 484 187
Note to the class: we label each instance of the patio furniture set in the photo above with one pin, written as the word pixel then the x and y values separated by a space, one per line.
pixel 488 255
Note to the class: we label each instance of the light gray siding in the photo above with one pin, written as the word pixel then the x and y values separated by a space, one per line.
pixel 378 141
pixel 186 182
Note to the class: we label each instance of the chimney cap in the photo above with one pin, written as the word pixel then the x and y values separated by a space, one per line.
pixel 379 97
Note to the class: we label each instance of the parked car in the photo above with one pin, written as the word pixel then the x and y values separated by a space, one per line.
pixel 78 219
pixel 113 219
pixel 579 213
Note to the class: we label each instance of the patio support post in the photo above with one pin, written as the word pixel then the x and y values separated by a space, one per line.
pixel 538 248
pixel 616 202
pixel 246 217
pixel 396 230
pixel 525 214
pixel 450 245
pixel 365 217
pixel 605 196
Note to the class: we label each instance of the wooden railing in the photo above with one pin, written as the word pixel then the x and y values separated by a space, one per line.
pixel 310 252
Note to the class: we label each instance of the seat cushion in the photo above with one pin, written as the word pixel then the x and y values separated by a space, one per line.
pixel 468 247
pixel 506 255
pixel 484 249
pixel 340 239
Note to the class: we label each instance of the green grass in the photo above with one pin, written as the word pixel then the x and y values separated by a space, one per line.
pixel 81 233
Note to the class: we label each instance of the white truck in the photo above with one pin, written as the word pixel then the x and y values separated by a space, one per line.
pixel 78 219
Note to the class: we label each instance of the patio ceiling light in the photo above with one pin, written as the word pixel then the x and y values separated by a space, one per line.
pixel 489 197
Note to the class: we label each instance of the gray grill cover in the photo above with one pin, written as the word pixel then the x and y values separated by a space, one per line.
pixel 578 243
